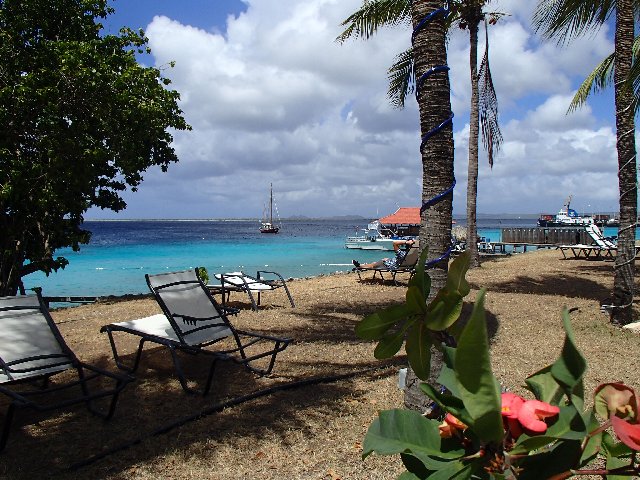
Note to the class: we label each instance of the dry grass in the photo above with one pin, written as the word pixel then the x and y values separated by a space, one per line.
pixel 314 431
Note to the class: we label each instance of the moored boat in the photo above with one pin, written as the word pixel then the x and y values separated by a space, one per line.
pixel 566 217
pixel 267 225
pixel 371 239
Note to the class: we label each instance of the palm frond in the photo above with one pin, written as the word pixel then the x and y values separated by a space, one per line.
pixel 598 79
pixel 488 106
pixel 375 14
pixel 402 79
pixel 568 19
pixel 634 74
pixel 602 77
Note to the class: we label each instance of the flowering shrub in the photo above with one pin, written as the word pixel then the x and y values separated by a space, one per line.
pixel 485 433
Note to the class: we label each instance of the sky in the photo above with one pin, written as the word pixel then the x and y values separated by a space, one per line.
pixel 274 99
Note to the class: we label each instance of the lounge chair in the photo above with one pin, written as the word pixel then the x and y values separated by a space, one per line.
pixel 32 351
pixel 192 321
pixel 241 282
pixel 599 239
pixel 601 247
pixel 408 265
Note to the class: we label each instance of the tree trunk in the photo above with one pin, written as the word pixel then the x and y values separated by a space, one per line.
pixel 474 129
pixel 437 155
pixel 623 287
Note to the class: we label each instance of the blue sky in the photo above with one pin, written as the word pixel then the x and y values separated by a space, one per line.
pixel 272 98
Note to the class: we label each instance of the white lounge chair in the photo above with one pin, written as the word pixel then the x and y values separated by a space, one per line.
pixel 192 321
pixel 32 350
pixel 600 248
pixel 241 282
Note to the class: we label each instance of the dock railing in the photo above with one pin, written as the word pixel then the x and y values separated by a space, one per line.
pixel 546 236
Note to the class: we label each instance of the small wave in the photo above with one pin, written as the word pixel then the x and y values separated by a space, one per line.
pixel 335 264
pixel 99 268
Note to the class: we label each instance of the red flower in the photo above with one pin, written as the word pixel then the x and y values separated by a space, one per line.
pixel 528 414
pixel 511 404
pixel 533 412
pixel 628 433
pixel 450 426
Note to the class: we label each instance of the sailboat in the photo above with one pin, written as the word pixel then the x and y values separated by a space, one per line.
pixel 267 225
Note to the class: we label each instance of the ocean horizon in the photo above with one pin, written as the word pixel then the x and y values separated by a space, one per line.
pixel 121 251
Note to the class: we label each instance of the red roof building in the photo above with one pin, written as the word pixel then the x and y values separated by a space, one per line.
pixel 405 221
pixel 403 216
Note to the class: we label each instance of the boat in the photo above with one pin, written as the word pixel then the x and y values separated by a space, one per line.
pixel 375 237
pixel 371 239
pixel 566 217
pixel 267 225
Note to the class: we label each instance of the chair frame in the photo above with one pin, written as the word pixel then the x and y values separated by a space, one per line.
pixel 68 361
pixel 182 345
pixel 225 288
pixel 402 268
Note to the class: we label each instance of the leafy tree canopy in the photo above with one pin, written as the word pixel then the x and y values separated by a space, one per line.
pixel 81 121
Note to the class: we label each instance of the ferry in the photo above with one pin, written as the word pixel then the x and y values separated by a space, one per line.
pixel 566 217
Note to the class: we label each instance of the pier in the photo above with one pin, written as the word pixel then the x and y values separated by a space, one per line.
pixel 519 240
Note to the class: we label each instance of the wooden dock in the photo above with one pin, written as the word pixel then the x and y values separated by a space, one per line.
pixel 519 240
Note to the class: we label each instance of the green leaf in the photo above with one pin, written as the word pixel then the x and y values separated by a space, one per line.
pixel 405 431
pixel 447 375
pixel 374 326
pixel 544 386
pixel 419 350
pixel 456 281
pixel 568 426
pixel 618 455
pixel 479 389
pixel 559 458
pixel 571 366
pixel 455 469
pixel 444 310
pixel 447 402
pixel 594 444
pixel 416 302
pixel 421 278
pixel 389 345
pixel 409 476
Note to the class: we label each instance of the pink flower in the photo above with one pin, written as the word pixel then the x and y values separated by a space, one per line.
pixel 628 433
pixel 519 413
pixel 533 412
pixel 511 404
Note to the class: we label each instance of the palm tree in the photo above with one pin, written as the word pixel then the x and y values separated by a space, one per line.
pixel 484 107
pixel 435 111
pixel 565 20
pixel 466 14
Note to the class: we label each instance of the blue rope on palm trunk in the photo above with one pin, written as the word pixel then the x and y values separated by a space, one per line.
pixel 449 121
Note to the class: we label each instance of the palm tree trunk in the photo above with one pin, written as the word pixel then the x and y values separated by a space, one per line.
pixel 623 287
pixel 437 154
pixel 474 129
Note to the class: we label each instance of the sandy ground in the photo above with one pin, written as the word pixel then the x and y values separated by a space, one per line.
pixel 312 430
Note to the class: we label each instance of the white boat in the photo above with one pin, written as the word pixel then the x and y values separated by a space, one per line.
pixel 371 239
pixel 566 217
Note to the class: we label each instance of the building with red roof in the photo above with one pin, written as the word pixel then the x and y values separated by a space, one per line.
pixel 405 221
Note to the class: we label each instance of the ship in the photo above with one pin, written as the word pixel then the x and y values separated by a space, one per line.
pixel 566 217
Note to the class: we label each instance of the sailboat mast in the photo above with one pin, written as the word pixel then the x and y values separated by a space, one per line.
pixel 271 203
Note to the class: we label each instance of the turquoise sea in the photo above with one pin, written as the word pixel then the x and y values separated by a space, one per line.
pixel 122 252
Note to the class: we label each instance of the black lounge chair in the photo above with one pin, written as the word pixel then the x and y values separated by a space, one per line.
pixel 241 282
pixel 193 321
pixel 408 265
pixel 32 351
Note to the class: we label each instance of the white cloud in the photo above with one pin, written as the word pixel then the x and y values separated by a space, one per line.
pixel 273 98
